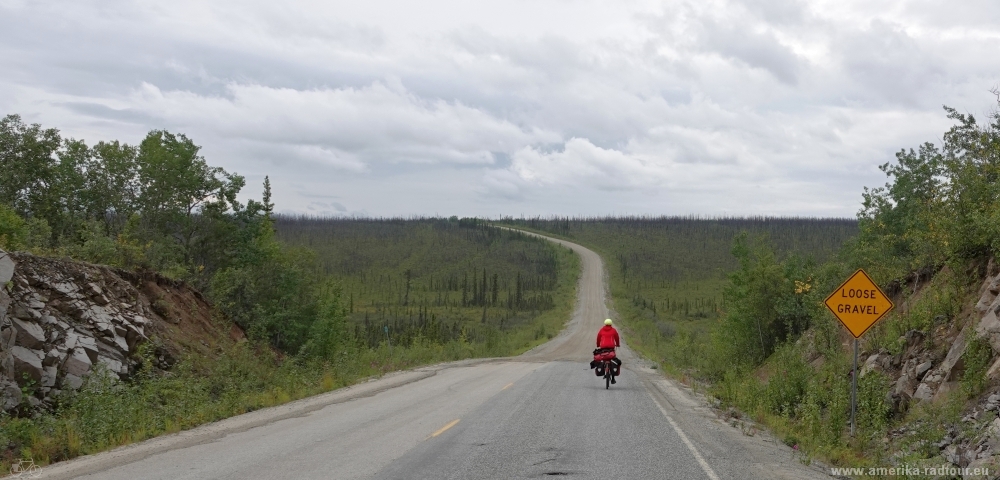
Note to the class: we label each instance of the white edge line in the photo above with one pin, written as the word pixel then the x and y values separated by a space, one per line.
pixel 701 460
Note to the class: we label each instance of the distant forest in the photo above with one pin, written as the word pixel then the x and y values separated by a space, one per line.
pixel 669 275
pixel 433 278
pixel 673 249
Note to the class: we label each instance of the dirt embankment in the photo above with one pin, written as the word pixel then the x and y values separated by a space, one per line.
pixel 62 320
pixel 932 365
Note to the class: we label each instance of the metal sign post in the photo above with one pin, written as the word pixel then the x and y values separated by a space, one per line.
pixel 858 303
pixel 854 387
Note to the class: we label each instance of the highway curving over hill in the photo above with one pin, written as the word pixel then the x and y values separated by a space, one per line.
pixel 542 414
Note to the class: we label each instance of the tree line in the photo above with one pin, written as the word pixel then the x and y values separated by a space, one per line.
pixel 159 205
pixel 436 279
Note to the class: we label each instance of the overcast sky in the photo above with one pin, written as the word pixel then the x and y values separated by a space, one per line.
pixel 540 107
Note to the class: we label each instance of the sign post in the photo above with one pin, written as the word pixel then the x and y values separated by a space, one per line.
pixel 858 303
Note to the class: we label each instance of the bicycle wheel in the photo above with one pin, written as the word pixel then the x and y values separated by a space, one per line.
pixel 607 380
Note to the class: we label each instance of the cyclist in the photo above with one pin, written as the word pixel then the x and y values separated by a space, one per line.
pixel 607 339
pixel 607 336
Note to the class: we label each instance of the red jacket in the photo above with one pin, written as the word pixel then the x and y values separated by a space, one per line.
pixel 607 337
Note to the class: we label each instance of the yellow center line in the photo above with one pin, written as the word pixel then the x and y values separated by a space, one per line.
pixel 445 428
pixel 505 387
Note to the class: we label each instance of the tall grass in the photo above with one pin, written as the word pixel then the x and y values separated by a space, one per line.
pixel 245 377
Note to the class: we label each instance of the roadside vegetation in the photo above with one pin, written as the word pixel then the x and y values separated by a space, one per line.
pixel 750 328
pixel 324 303
pixel 670 276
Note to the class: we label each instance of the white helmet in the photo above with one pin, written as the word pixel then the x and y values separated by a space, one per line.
pixel 607 321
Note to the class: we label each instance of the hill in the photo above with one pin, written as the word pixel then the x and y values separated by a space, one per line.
pixel 440 280
pixel 668 275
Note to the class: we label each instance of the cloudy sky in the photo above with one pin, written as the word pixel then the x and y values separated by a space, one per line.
pixel 515 107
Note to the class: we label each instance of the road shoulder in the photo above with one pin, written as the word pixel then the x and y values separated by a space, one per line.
pixel 738 449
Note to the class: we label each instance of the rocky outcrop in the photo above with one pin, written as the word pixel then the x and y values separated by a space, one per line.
pixel 58 323
pixel 921 378
pixel 61 320
pixel 923 372
pixel 989 307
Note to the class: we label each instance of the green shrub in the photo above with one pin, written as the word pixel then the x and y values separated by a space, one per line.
pixel 13 229
pixel 977 357
pixel 873 414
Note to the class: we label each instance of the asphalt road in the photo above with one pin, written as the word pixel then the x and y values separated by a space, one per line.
pixel 543 414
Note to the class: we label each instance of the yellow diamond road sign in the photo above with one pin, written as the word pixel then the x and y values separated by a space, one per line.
pixel 858 303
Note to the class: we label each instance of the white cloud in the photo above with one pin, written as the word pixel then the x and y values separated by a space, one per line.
pixel 346 127
pixel 535 107
pixel 581 162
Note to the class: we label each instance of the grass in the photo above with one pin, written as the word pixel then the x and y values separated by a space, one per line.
pixel 245 377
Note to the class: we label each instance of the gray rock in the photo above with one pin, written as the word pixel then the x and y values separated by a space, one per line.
pixel 105 328
pixel 993 430
pixel 954 354
pixel 7 267
pixel 4 303
pixel 993 285
pixel 984 303
pixel 924 392
pixel 77 363
pixel 132 338
pixel 923 368
pixel 905 386
pixel 64 288
pixel 27 362
pixel 8 336
pixel 106 348
pixel 29 334
pixel 989 327
pixel 25 313
pixel 72 382
pixel 875 362
pixel 71 340
pixel 82 313
pixel 10 393
pixel 113 365
pixel 49 376
pixel 89 345
pixel 53 357
pixel 122 343
pixel 952 455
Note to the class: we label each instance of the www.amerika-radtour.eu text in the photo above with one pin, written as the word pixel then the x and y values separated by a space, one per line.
pixel 908 470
